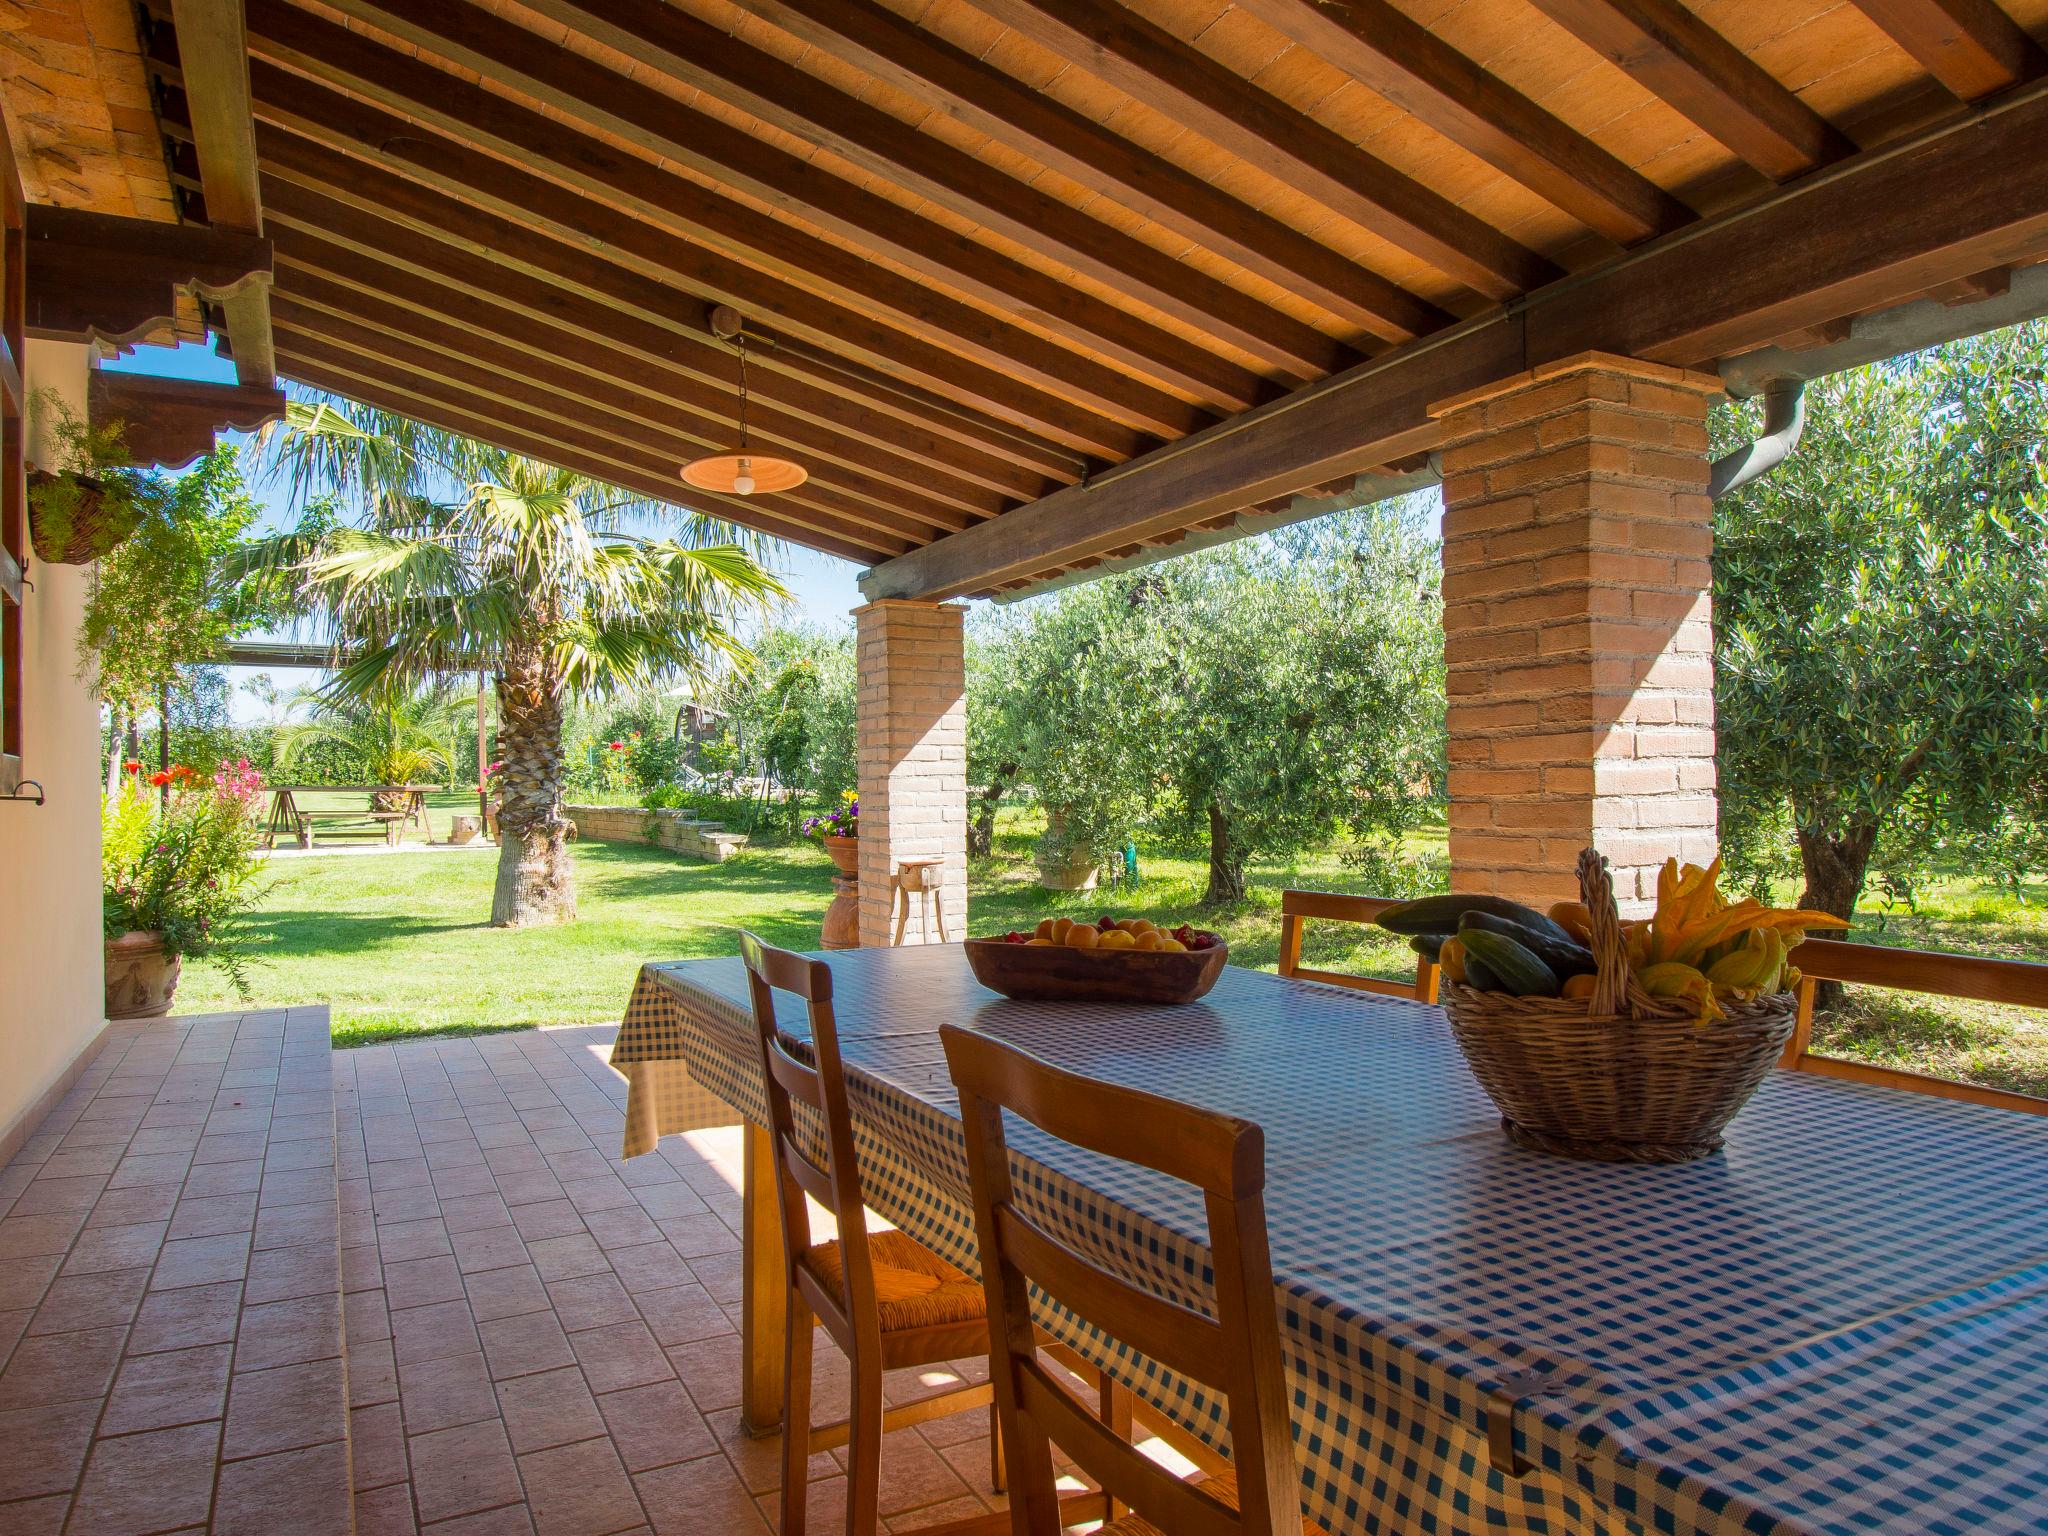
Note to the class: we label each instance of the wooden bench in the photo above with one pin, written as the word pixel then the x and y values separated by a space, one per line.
pixel 1297 907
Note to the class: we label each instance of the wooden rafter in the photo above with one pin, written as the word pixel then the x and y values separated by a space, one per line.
pixel 171 422
pixel 1957 202
pixel 1418 72
pixel 214 54
pixel 653 121
pixel 1155 68
pixel 896 50
pixel 1690 65
pixel 100 277
pixel 1970 46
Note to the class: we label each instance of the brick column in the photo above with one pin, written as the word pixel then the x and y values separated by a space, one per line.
pixel 1578 625
pixel 911 732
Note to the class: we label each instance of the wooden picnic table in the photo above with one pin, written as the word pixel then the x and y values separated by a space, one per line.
pixel 1831 1326
pixel 287 818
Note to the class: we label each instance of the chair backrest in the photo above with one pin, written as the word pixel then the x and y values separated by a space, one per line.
pixel 1297 907
pixel 788 1081
pixel 1237 1351
pixel 2021 983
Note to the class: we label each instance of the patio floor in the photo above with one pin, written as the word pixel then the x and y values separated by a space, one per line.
pixel 538 1337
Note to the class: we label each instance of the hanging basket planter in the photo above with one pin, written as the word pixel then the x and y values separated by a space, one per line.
pixel 73 519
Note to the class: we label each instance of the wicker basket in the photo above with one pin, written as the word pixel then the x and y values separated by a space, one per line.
pixel 1624 1077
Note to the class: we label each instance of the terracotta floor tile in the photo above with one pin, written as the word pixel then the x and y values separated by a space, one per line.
pixel 560 1258
pixel 679 1314
pixel 505 1292
pixel 417 1203
pixel 421 1238
pixel 180 1386
pixel 364 1315
pixel 528 1187
pixel 472 1213
pixel 386 1512
pixel 710 1371
pixel 289 1226
pixel 150 1168
pixel 372 1374
pixel 377 1448
pixel 148 1482
pixel 200 1314
pixel 669 1200
pixel 650 1267
pixel 518 1346
pixel 758 1462
pixel 579 1490
pixel 620 1355
pixel 46 1194
pixel 430 1332
pixel 590 1301
pixel 208 1179
pixel 295 1186
pixel 49 1233
pixel 496 1247
pixel 280 1274
pixel 445 1392
pixel 547 1218
pixel 288 1332
pixel 201 1261
pixel 461 1471
pixel 212 1215
pixel 60 1368
pixel 286 1407
pixel 24 1280
pixel 464 1183
pixel 694 1498
pixel 695 1236
pixel 45 1448
pixel 655 1425
pixel 420 1282
pixel 131 1246
pixel 720 1273
pixel 511 1520
pixel 547 1409
pixel 593 1192
pixel 108 1299
pixel 936 1514
pixel 125 1207
pixel 282 1156
pixel 35 1517
pixel 295 1491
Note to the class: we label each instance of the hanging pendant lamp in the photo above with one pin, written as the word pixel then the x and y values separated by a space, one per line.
pixel 741 471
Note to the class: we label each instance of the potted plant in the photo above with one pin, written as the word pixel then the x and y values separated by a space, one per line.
pixel 396 734
pixel 838 832
pixel 178 876
pixel 1066 856
pixel 83 510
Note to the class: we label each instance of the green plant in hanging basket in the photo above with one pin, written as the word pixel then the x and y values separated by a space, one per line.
pixel 85 509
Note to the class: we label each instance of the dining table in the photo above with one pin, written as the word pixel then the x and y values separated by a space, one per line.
pixel 1836 1323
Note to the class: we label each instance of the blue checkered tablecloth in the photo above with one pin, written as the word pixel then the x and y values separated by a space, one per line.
pixel 1835 1325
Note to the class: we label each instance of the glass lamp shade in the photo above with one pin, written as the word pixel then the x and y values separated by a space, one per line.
pixel 742 474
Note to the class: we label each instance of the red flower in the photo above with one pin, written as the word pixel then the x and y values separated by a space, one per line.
pixel 618 746
pixel 132 765
pixel 159 779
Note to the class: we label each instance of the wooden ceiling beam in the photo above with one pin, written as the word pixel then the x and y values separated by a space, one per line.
pixel 583 90
pixel 361 375
pixel 1417 71
pixel 1689 65
pixel 170 422
pixel 330 312
pixel 1971 46
pixel 971 91
pixel 105 277
pixel 982 363
pixel 668 40
pixel 1874 231
pixel 317 270
pixel 699 372
pixel 214 52
pixel 1158 70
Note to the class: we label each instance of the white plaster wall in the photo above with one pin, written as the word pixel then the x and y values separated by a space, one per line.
pixel 51 999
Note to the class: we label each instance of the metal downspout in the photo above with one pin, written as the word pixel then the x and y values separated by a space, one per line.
pixel 1784 420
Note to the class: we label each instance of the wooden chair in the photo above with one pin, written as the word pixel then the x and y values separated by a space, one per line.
pixel 1297 907
pixel 2021 983
pixel 887 1299
pixel 1238 1350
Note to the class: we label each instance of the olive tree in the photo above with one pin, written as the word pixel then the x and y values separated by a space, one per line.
pixel 1882 606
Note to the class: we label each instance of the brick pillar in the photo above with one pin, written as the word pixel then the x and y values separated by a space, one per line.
pixel 1578 625
pixel 911 733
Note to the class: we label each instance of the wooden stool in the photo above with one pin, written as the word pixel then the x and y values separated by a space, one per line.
pixel 921 878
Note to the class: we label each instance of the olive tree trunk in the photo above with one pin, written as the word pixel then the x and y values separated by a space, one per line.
pixel 1835 868
pixel 536 881
pixel 1226 862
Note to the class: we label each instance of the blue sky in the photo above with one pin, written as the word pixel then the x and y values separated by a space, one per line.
pixel 823 587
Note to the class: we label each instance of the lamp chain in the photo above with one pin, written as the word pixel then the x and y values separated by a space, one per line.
pixel 740 341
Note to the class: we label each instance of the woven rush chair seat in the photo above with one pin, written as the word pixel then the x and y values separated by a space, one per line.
pixel 1221 1486
pixel 915 1289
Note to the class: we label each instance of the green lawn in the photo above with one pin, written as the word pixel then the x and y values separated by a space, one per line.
pixel 400 943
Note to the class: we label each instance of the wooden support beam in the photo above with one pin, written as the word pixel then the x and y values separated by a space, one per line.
pixel 170 422
pixel 1153 67
pixel 213 53
pixel 1688 64
pixel 362 376
pixel 586 91
pixel 675 45
pixel 101 277
pixel 1424 76
pixel 1874 231
pixel 1970 46
pixel 976 93
pixel 1974 289
pixel 842 303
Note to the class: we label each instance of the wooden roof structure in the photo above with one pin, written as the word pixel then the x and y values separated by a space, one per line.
pixel 1035 284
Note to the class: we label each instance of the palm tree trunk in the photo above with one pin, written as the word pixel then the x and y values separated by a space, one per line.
pixel 536 882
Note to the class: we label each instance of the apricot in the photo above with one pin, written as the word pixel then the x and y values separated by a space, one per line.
pixel 1061 927
pixel 1172 947
pixel 1083 936
pixel 1044 929
pixel 1117 938
pixel 1148 941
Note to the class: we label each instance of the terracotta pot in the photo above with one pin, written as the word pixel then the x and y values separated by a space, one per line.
pixel 388 799
pixel 1076 875
pixel 845 854
pixel 842 918
pixel 141 978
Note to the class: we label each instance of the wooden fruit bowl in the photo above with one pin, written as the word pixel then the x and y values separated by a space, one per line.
pixel 1056 973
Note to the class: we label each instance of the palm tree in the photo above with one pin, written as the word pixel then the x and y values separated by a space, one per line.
pixel 456 557
pixel 399 734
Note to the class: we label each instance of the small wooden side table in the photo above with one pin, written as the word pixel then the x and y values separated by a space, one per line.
pixel 919 878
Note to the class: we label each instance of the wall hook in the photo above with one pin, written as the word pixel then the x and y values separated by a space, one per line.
pixel 36 799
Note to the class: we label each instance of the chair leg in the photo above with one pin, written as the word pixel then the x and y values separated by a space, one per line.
pixel 796 1418
pixel 864 1454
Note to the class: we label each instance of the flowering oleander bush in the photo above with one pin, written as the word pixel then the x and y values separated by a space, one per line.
pixel 844 822
pixel 184 864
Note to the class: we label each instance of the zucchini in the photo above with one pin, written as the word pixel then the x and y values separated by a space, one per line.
pixel 1567 957
pixel 1441 914
pixel 1479 978
pixel 1519 970
pixel 1430 946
